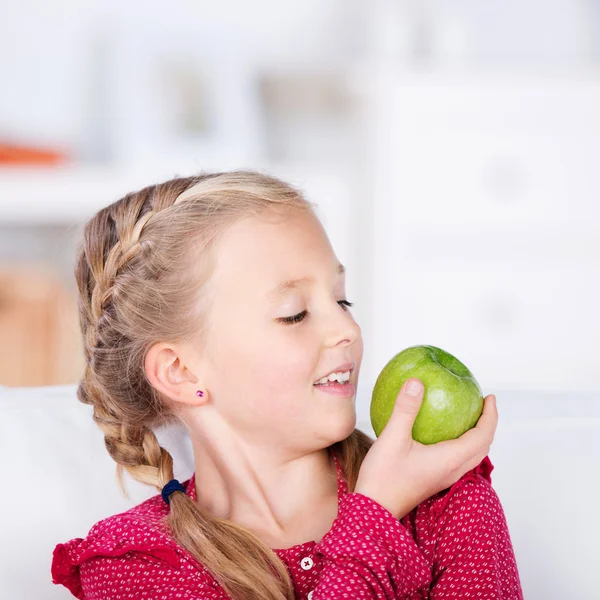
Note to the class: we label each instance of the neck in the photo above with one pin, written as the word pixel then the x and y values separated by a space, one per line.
pixel 262 490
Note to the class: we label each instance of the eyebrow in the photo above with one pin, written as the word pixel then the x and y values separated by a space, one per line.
pixel 292 284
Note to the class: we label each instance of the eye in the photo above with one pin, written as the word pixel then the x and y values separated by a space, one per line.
pixel 300 316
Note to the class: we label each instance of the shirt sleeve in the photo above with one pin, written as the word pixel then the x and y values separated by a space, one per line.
pixel 474 557
pixel 368 553
pixel 103 567
pixel 134 577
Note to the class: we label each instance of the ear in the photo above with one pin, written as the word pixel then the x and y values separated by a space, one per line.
pixel 174 377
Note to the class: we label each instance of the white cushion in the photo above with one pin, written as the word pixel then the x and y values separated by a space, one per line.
pixel 58 480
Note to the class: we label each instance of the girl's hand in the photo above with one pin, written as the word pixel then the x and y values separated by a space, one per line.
pixel 400 473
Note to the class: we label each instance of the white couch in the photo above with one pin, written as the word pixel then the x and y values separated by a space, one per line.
pixel 58 480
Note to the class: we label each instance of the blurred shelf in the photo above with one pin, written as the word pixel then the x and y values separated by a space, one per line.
pixel 67 194
pixel 72 194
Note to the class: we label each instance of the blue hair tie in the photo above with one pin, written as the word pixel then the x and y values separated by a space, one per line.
pixel 172 486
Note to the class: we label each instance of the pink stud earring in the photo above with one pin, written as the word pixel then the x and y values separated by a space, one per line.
pixel 200 393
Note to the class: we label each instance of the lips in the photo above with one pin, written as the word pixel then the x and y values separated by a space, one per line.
pixel 341 390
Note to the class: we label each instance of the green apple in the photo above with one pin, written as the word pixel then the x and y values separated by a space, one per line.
pixel 452 401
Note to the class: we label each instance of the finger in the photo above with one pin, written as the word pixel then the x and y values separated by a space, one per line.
pixel 485 429
pixel 488 421
pixel 406 408
pixel 476 441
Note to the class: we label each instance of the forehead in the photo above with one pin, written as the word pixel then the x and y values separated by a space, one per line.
pixel 291 284
pixel 270 257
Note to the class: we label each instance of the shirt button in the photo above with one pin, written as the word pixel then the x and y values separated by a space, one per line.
pixel 306 563
pixel 310 594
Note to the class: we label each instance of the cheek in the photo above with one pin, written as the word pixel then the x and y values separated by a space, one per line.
pixel 271 379
pixel 284 371
pixel 284 358
pixel 285 378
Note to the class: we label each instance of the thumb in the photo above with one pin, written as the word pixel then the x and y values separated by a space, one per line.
pixel 407 406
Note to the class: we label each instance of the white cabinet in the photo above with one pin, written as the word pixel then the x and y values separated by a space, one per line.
pixel 486 226
pixel 490 151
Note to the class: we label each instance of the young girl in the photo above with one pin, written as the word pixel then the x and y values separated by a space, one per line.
pixel 218 301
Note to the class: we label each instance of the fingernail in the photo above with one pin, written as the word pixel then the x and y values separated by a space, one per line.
pixel 413 387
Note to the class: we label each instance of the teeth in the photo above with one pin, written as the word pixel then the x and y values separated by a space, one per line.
pixel 339 377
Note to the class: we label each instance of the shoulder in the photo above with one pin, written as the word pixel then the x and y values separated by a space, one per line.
pixel 464 534
pixel 120 547
pixel 472 494
pixel 467 513
pixel 471 502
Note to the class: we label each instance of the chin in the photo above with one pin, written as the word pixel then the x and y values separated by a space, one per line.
pixel 343 425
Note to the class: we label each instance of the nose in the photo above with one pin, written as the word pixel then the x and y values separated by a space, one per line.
pixel 342 329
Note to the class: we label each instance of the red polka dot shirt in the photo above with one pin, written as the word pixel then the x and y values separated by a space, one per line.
pixel 454 545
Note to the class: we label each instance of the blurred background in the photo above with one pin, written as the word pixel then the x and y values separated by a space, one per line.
pixel 453 149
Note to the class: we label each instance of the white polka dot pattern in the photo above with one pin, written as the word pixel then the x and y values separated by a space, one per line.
pixel 455 545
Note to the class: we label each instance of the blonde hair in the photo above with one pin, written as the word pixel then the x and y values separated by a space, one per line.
pixel 141 268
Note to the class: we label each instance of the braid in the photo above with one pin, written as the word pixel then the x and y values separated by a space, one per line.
pixel 132 444
pixel 121 253
pixel 134 447
pixel 126 247
pixel 127 219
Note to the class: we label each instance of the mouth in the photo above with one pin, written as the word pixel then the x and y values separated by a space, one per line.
pixel 338 388
pixel 344 368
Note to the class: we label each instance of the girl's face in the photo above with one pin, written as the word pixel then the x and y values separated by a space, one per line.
pixel 261 371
